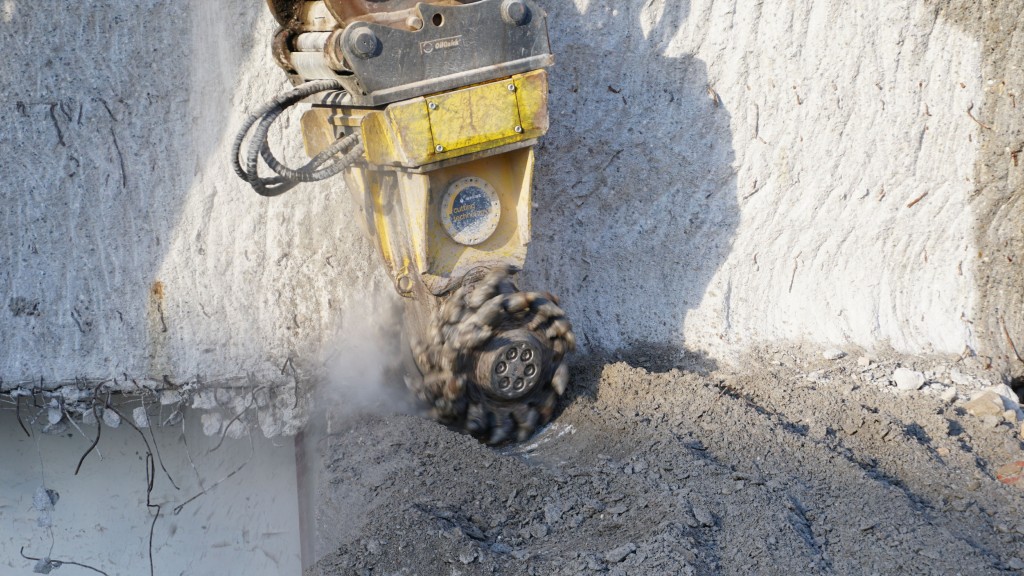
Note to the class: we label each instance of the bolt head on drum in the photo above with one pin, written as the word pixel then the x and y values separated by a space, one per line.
pixel 470 211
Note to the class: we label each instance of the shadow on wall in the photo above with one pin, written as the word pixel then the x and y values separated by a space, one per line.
pixel 635 187
pixel 998 315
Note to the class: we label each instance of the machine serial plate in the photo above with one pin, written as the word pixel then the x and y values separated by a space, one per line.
pixel 470 211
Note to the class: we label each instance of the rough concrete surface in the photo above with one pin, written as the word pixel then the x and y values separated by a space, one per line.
pixel 793 465
pixel 804 170
pixel 242 523
pixel 718 174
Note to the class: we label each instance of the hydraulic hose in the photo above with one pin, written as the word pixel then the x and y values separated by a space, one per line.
pixel 332 161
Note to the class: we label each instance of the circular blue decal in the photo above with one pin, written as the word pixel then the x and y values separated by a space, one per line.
pixel 470 209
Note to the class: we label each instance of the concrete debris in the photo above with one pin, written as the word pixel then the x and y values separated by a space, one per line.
pixel 703 516
pixel 169 397
pixel 865 362
pixel 205 400
pixel 961 379
pixel 44 499
pixel 552 513
pixel 907 380
pixel 1010 399
pixel 991 421
pixel 986 403
pixel 619 554
pixel 501 548
pixel 949 395
pixel 71 394
pixel 45 566
pixel 58 429
pixel 468 556
pixel 834 354
pixel 141 417
pixel 212 423
pixel 818 377
pixel 54 413
pixel 111 418
pixel 778 467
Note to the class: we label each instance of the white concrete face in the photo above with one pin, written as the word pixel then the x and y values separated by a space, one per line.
pixel 828 246
pixel 247 524
pixel 718 173
pixel 745 172
pixel 127 246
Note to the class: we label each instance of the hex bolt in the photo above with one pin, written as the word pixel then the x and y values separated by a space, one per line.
pixel 404 284
pixel 364 43
pixel 515 12
pixel 439 148
pixel 432 105
pixel 519 129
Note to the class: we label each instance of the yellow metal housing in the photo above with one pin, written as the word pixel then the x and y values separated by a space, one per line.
pixel 416 149
pixel 402 215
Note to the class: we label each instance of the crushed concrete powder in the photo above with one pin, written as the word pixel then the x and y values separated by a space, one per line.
pixel 689 469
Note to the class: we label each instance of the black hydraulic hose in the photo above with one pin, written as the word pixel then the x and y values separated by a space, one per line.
pixel 323 166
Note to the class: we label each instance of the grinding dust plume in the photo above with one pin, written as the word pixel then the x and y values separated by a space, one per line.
pixel 364 372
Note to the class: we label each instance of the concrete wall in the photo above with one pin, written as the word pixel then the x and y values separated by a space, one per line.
pixel 718 173
pixel 246 524
pixel 796 170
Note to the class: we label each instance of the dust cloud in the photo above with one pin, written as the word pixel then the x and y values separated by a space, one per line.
pixel 364 368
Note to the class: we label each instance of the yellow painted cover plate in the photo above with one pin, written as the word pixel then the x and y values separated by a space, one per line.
pixel 474 115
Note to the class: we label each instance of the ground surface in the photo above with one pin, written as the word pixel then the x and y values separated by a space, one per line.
pixel 789 466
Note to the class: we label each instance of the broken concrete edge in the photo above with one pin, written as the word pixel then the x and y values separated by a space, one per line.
pixel 231 407
pixel 277 403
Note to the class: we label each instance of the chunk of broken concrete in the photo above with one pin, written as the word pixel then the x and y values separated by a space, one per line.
pixel 908 380
pixel 1010 399
pixel 833 354
pixel 141 417
pixel 949 394
pixel 985 403
pixel 619 554
pixel 111 418
pixel 994 401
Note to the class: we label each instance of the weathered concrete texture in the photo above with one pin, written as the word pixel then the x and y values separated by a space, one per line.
pixel 742 173
pixel 128 248
pixel 997 202
pixel 718 173
pixel 245 523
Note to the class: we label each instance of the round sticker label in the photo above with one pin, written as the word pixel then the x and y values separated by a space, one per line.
pixel 470 211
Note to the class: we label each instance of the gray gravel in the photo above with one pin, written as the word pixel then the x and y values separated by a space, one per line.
pixel 685 468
